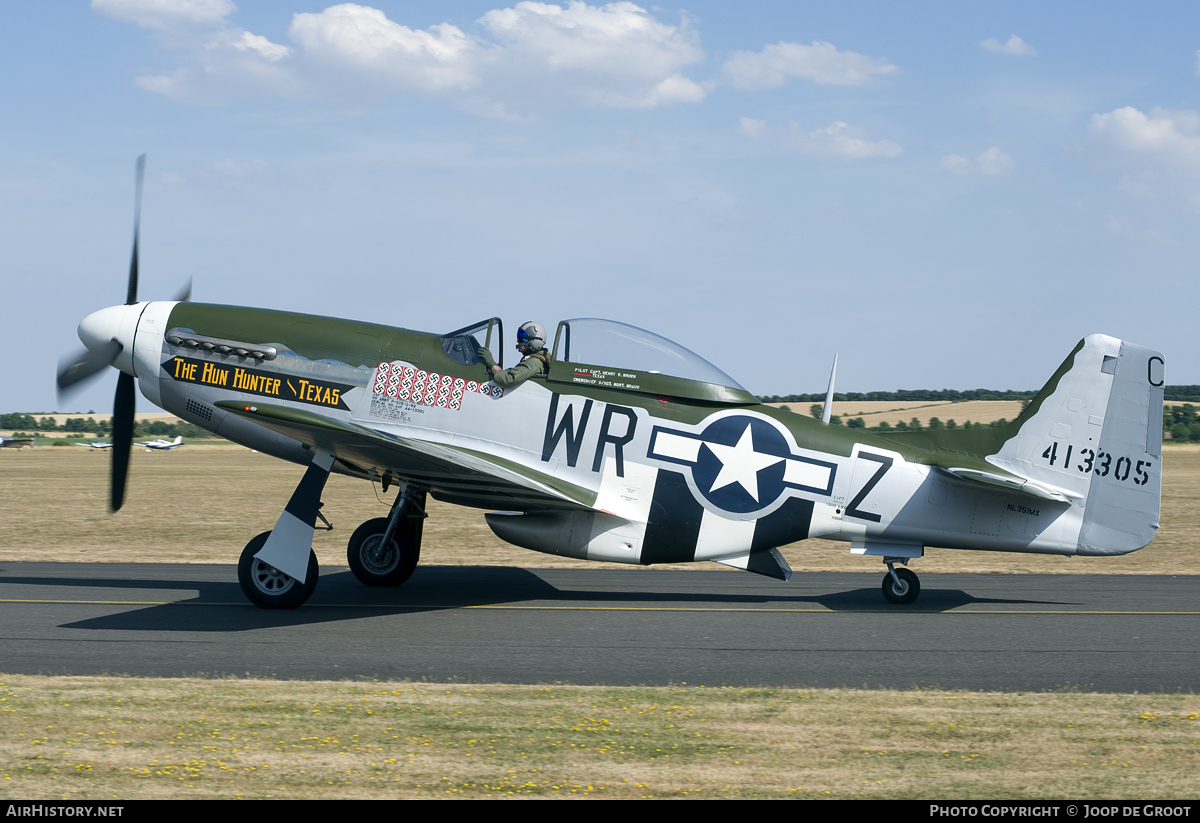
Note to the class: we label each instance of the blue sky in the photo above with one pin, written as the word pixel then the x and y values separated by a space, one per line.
pixel 947 194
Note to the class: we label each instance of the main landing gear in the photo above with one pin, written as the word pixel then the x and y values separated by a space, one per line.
pixel 384 551
pixel 278 569
pixel 269 588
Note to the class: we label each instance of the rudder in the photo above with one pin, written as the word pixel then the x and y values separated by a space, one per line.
pixel 1123 507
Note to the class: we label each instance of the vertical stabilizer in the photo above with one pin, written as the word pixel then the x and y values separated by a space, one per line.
pixel 1094 432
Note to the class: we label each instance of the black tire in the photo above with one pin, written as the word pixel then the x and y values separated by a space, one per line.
pixel 267 587
pixel 906 592
pixel 375 567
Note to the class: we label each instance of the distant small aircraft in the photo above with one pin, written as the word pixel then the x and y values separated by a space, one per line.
pixel 164 445
pixel 15 442
pixel 96 444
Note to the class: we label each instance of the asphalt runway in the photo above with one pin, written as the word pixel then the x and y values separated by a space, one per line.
pixel 600 626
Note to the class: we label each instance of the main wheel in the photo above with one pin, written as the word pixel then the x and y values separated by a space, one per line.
pixel 269 588
pixel 906 592
pixel 377 565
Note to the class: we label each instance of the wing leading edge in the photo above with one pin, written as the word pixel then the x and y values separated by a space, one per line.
pixel 452 473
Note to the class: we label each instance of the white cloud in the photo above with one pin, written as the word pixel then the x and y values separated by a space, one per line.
pixel 1169 138
pixel 615 55
pixel 1014 46
pixel 522 60
pixel 619 38
pixel 167 14
pixel 244 41
pixel 229 59
pixel 819 62
pixel 232 62
pixel 837 140
pixel 991 163
pixel 1158 153
pixel 364 44
pixel 841 140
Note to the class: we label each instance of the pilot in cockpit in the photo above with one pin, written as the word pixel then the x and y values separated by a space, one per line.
pixel 531 342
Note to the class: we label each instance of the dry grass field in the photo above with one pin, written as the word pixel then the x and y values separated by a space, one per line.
pixel 874 412
pixel 202 504
pixel 120 738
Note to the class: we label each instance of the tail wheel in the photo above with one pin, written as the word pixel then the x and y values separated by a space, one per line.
pixel 905 591
pixel 377 565
pixel 266 586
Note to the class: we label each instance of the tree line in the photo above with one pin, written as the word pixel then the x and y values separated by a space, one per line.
pixel 1181 423
pixel 30 424
pixel 935 424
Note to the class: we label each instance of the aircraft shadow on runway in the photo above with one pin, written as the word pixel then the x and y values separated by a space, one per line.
pixel 220 607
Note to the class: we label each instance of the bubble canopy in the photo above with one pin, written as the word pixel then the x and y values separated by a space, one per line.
pixel 609 343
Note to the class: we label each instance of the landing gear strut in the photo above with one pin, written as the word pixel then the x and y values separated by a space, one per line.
pixel 384 551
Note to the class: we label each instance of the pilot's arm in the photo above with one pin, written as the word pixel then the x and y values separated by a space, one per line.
pixel 518 374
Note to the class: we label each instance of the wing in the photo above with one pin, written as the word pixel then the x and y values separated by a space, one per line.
pixel 452 473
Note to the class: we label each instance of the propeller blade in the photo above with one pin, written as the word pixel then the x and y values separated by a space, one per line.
pixel 131 296
pixel 122 437
pixel 184 294
pixel 85 364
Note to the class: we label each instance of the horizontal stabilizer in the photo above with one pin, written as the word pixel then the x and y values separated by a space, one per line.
pixel 1018 484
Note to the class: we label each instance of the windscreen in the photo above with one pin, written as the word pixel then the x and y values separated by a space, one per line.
pixel 462 345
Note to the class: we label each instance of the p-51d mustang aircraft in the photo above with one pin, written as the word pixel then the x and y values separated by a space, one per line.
pixel 630 448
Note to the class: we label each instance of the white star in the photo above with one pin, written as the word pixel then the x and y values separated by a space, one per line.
pixel 741 464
